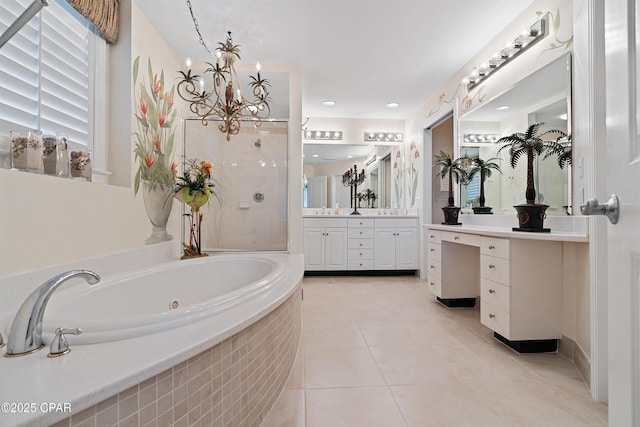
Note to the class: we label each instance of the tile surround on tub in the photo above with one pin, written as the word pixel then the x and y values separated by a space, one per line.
pixel 233 384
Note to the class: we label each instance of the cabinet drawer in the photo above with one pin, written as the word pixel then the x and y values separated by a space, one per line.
pixel 434 252
pixel 493 268
pixel 355 254
pixel 433 236
pixel 434 270
pixel 461 238
pixel 360 243
pixel 495 319
pixel 495 247
pixel 495 293
pixel 360 223
pixel 435 286
pixel 396 222
pixel 361 264
pixel 325 222
pixel 360 233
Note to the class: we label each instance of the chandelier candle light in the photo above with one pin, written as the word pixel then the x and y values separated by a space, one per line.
pixel 351 178
pixel 225 100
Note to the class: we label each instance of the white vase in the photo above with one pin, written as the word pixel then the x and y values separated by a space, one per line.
pixel 157 202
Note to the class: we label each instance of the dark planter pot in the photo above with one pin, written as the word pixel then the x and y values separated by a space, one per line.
pixel 451 214
pixel 482 210
pixel 531 217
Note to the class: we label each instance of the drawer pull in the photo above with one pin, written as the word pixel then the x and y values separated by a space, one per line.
pixel 432 236
pixel 360 223
pixel 360 264
pixel 432 250
pixel 456 238
pixel 492 316
pixel 492 266
pixel 360 244
pixel 491 247
pixel 361 232
pixel 432 266
pixel 360 253
pixel 491 291
pixel 432 284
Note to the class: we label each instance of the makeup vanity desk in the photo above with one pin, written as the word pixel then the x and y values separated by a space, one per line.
pixel 516 275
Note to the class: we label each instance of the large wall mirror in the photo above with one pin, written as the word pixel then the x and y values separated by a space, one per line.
pixel 543 96
pixel 323 167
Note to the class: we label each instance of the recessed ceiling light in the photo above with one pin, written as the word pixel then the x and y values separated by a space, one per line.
pixel 503 107
pixel 393 105
pixel 329 103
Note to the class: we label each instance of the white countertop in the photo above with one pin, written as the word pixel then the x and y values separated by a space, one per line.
pixel 498 231
pixel 360 216
pixel 92 373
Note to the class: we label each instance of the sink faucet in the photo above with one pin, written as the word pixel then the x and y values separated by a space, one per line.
pixel 25 335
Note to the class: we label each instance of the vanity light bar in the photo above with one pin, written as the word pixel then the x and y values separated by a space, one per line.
pixel 474 138
pixel 323 135
pixel 383 136
pixel 521 43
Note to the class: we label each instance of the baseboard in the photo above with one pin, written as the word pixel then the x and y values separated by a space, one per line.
pixel 583 364
pixel 572 351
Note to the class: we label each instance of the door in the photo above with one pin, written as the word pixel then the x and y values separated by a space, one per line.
pixel 314 248
pixel 622 36
pixel 384 253
pixel 317 192
pixel 335 249
pixel 406 249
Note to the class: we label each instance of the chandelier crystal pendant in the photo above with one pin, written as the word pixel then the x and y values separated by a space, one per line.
pixel 225 100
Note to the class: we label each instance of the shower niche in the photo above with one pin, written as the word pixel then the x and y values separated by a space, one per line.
pixel 251 172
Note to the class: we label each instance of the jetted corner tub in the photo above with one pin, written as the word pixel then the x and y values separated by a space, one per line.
pixel 211 320
pixel 160 298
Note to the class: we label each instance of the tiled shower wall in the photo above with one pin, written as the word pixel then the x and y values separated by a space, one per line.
pixel 253 161
pixel 233 384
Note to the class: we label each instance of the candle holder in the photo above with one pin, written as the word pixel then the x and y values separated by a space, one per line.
pixel 351 178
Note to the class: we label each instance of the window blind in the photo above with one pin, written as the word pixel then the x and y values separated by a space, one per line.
pixel 45 73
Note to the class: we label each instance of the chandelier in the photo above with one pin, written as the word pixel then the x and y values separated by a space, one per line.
pixel 225 100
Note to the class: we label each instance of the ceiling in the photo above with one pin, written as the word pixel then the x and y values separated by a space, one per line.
pixel 362 54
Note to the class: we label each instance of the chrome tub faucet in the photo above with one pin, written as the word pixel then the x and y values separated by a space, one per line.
pixel 25 335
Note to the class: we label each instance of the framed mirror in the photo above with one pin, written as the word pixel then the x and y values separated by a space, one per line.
pixel 543 96
pixel 325 163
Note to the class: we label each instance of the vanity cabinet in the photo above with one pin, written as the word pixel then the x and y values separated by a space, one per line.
pixel 452 267
pixel 325 245
pixel 519 282
pixel 360 243
pixel 396 245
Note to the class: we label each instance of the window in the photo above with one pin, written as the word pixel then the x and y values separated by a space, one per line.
pixel 46 72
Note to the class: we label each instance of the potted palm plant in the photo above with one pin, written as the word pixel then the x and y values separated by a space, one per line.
pixel 452 169
pixel 531 215
pixel 485 168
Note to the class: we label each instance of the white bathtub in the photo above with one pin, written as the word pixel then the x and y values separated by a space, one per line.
pixel 219 297
pixel 160 298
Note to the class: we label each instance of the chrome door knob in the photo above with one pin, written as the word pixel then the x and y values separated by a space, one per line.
pixel 611 209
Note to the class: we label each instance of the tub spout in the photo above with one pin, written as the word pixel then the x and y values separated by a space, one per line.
pixel 25 335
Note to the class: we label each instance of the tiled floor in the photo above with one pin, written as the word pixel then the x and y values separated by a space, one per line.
pixel 379 351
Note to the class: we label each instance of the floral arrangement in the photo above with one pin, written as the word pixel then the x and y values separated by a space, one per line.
pixel 397 177
pixel 194 189
pixel 155 114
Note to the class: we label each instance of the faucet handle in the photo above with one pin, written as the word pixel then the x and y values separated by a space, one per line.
pixel 1 341
pixel 59 344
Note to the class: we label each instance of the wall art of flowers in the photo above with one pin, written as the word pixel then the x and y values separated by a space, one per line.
pixel 194 188
pixel 155 134
pixel 412 172
pixel 397 177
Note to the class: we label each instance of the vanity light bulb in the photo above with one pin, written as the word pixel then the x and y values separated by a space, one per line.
pixel 465 81
pixel 308 134
pixel 399 136
pixel 318 134
pixel 336 135
pixel 188 62
pixel 258 66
